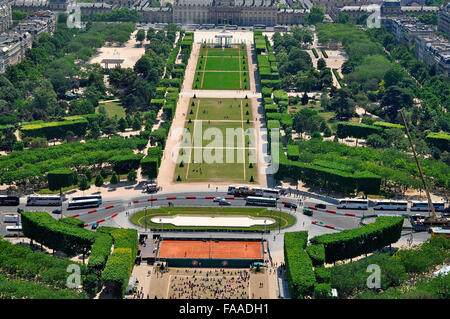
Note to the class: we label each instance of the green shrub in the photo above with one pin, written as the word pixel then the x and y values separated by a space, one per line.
pixel 299 273
pixel 317 254
pixel 355 242
pixel 322 291
pixel 323 275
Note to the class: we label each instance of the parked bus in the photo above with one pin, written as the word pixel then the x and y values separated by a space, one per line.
pixel 391 205
pixel 353 204
pixel 38 200
pixel 271 192
pixel 261 201
pixel 99 197
pixel 208 26
pixel 279 28
pixel 14 228
pixel 423 206
pixel 259 27
pixel 86 203
pixel 9 200
pixel 231 27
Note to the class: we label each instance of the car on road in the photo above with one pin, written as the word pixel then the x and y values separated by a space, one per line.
pixel 19 210
pixel 94 226
pixel 57 211
pixel 224 202
pixel 217 199
pixel 323 206
pixel 307 212
pixel 290 205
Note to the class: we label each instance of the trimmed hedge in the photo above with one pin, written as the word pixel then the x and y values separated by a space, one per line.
pixel 100 251
pixel 440 140
pixel 122 164
pixel 57 235
pixel 292 152
pixel 324 53
pixel 388 125
pixel 55 130
pixel 117 271
pixel 355 242
pixel 150 166
pixel 299 271
pixel 61 177
pixel 72 221
pixel 323 275
pixel 266 92
pixel 322 291
pixel 356 130
pixel 311 174
pixel 317 254
pixel 273 124
pixel 314 51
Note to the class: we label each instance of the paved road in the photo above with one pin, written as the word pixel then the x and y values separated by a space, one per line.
pixel 275 238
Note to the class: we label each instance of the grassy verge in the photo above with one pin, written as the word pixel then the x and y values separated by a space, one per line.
pixel 285 219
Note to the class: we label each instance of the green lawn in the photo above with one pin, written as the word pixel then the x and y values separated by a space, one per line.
pixel 219 109
pixel 113 109
pixel 282 220
pixel 222 81
pixel 218 125
pixel 222 64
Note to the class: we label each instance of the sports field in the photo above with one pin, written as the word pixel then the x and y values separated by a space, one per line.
pixel 219 143
pixel 219 69
pixel 210 249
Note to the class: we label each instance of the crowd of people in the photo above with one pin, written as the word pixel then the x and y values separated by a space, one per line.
pixel 211 284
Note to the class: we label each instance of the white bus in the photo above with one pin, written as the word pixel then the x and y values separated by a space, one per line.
pixel 99 197
pixel 38 200
pixel 391 205
pixel 231 27
pixel 423 206
pixel 353 204
pixel 86 203
pixel 261 201
pixel 271 192
pixel 14 228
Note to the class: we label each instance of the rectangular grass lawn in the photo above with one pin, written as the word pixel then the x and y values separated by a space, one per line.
pixel 219 109
pixel 221 81
pixel 222 64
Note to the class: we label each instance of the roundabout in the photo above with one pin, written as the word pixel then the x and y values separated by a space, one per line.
pixel 212 218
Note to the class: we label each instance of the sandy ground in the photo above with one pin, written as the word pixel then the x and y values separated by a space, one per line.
pixel 260 285
pixel 130 52
pixel 238 36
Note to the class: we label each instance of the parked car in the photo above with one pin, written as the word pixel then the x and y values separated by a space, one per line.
pixel 94 226
pixel 57 211
pixel 290 205
pixel 307 212
pixel 217 199
pixel 224 202
pixel 19 210
pixel 320 206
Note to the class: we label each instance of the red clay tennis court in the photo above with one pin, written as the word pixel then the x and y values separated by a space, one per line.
pixel 210 249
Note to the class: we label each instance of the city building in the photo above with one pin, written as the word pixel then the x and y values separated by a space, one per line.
pixel 406 29
pixel 5 16
pixel 444 19
pixel 434 50
pixel 14 42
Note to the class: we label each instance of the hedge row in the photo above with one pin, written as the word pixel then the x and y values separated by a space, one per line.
pixel 299 271
pixel 57 235
pixel 355 242
pixel 55 130
pixel 324 53
pixel 440 140
pixel 317 254
pixel 119 266
pixel 323 275
pixel 327 178
pixel 314 51
pixel 356 130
